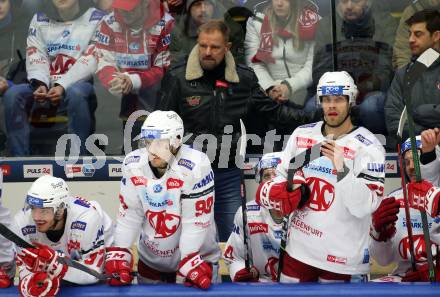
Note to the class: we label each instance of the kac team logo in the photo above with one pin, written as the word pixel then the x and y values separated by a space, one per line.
pixel 165 224
pixel 322 194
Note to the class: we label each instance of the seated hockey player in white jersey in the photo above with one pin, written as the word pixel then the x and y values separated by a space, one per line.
pixel 328 238
pixel 167 194
pixel 264 231
pixel 7 255
pixel 390 234
pixel 55 222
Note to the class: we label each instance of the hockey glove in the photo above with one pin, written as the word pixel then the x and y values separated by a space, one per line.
pixel 384 219
pixel 43 259
pixel 424 196
pixel 196 271
pixel 38 285
pixel 5 279
pixel 247 275
pixel 119 264
pixel 421 274
pixel 273 194
pixel 272 268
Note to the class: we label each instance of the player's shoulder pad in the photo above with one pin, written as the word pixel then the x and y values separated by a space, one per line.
pixel 41 17
pixel 307 126
pixel 365 137
pixel 82 214
pixel 96 15
pixel 23 220
pixel 135 159
pixel 191 160
pixel 252 206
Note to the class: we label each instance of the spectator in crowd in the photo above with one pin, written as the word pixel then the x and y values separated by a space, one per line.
pixel 425 33
pixel 263 233
pixel 12 38
pixel 57 38
pixel 184 35
pixel 132 51
pixel 279 48
pixel 389 232
pixel 7 255
pixel 364 40
pixel 211 94
pixel 401 50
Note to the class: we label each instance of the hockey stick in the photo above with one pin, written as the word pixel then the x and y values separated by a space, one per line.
pixel 306 157
pixel 20 242
pixel 413 73
pixel 403 118
pixel 248 261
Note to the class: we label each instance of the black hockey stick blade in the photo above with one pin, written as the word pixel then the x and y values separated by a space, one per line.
pixel 301 160
pixel 20 242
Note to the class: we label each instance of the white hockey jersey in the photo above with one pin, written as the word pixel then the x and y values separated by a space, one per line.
pixel 174 213
pixel 431 171
pixel 332 231
pixel 88 231
pixel 397 248
pixel 53 48
pixel 265 237
pixel 6 247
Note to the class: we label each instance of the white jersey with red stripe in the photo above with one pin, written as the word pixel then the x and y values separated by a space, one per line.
pixel 265 237
pixel 88 231
pixel 332 231
pixel 143 53
pixel 6 247
pixel 173 213
pixel 53 48
pixel 431 171
pixel 397 248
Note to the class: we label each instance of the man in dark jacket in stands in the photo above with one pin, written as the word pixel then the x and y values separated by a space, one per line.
pixel 211 94
pixel 425 94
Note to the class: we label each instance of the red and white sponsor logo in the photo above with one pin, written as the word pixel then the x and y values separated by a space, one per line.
pixel 338 260
pixel 114 170
pixel 138 180
pixel 255 228
pixel 165 224
pixel 173 183
pixel 32 171
pixel 6 169
pixel 349 153
pixel 322 194
pixel 419 248
pixel 302 142
pixel 378 189
pixel 73 170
